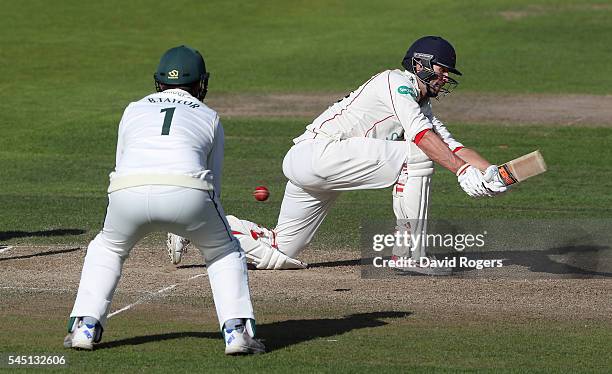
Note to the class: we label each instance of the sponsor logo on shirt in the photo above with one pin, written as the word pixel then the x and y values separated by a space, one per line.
pixel 405 90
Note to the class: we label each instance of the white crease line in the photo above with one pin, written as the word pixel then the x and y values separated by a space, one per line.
pixel 2 250
pixel 140 301
pixel 151 296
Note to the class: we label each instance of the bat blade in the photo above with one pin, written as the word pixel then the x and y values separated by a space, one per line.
pixel 521 168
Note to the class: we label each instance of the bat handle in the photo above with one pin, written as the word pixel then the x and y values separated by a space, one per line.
pixel 506 175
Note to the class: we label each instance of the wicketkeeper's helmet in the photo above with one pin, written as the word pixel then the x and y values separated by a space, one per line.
pixel 182 67
pixel 428 51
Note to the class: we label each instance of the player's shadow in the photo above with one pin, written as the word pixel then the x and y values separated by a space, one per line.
pixel 282 334
pixel 580 261
pixel 46 253
pixel 137 340
pixel 192 266
pixel 278 335
pixel 6 235
pixel 330 264
pixel 327 264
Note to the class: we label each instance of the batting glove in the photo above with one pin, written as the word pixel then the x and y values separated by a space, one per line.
pixel 493 181
pixel 472 181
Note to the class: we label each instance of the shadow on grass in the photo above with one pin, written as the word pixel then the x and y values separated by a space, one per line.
pixel 278 335
pixel 137 340
pixel 47 253
pixel 283 334
pixel 6 235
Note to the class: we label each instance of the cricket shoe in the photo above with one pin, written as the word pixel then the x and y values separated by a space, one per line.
pixel 419 267
pixel 238 341
pixel 177 247
pixel 82 335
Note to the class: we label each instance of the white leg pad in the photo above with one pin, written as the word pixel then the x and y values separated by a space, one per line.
pixel 259 245
pixel 411 196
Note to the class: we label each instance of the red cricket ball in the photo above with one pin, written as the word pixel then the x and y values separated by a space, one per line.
pixel 261 193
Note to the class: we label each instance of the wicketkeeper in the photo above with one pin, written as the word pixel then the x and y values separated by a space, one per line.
pixel 382 134
pixel 167 178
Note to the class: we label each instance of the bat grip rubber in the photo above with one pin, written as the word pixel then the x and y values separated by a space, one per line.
pixel 506 175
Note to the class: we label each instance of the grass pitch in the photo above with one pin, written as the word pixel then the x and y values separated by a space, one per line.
pixel 326 344
pixel 330 333
pixel 70 68
pixel 49 187
pixel 99 52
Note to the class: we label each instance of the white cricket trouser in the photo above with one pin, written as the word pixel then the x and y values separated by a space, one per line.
pixel 319 169
pixel 195 214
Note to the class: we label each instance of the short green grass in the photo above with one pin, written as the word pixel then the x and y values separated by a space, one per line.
pixel 70 67
pixel 387 341
pixel 58 181
pixel 89 54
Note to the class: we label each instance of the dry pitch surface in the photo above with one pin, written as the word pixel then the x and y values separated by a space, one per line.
pixel 334 281
pixel 459 107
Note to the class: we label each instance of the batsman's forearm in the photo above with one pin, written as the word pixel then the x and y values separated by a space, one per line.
pixel 473 158
pixel 438 152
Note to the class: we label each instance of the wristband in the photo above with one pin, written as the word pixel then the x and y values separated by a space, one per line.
pixel 462 169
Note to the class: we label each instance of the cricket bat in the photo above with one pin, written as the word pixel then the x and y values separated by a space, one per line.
pixel 521 168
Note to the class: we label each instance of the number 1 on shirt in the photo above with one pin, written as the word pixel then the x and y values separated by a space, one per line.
pixel 167 120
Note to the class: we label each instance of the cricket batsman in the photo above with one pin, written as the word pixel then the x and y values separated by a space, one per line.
pixel 167 178
pixel 380 135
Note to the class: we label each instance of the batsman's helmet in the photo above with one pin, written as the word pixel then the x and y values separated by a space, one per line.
pixel 428 51
pixel 182 66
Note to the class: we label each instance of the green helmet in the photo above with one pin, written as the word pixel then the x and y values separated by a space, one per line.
pixel 182 67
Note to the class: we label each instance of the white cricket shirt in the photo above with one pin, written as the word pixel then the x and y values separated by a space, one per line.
pixel 170 133
pixel 384 107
